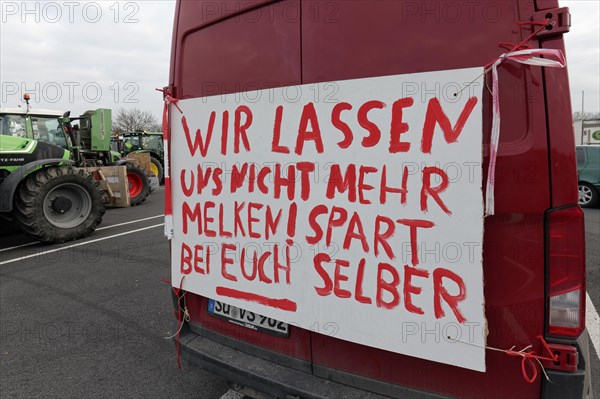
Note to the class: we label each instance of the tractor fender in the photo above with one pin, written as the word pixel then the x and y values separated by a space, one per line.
pixel 9 185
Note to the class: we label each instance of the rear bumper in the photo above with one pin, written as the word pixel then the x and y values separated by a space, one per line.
pixel 565 385
pixel 268 378
pixel 272 379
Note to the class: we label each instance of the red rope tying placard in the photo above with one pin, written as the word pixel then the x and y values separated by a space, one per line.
pixel 527 355
pixel 524 54
pixel 181 318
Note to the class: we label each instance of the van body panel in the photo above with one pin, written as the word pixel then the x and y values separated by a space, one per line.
pixel 561 138
pixel 210 66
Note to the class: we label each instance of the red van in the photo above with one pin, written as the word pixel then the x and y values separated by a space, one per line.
pixel 533 251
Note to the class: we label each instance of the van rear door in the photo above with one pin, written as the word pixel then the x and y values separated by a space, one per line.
pixel 412 37
pixel 229 47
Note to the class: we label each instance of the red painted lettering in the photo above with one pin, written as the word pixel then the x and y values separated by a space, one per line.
pixel 341 184
pixel 292 216
pixel 358 290
pixel 391 287
pixel 440 292
pixel 187 190
pixel 238 225
pixel 198 260
pixel 192 216
pixel 315 226
pixel 286 268
pixel 309 115
pixel 384 189
pixel 199 143
pixel 222 232
pixel 224 132
pixel 208 205
pixel 252 220
pixel 335 222
pixel 398 126
pixel 185 265
pixel 238 176
pixel 413 224
pixel 249 276
pixel 410 289
pixel 340 125
pixel 338 277
pixel 262 176
pixel 270 222
pixel 217 181
pixel 261 267
pixel 355 231
pixel 289 181
pixel 433 192
pixel 240 128
pixel 435 115
pixel 227 261
pixel 364 170
pixel 305 168
pixel 275 146
pixel 381 238
pixel 318 261
pixel 203 178
pixel 363 120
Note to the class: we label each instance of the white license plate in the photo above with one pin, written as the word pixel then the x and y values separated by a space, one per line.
pixel 247 319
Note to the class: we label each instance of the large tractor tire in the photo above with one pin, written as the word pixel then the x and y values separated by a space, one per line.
pixel 59 204
pixel 139 185
pixel 157 169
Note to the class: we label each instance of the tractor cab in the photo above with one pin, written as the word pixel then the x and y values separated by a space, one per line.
pixel 87 135
pixel 42 125
pixel 142 141
pixel 151 142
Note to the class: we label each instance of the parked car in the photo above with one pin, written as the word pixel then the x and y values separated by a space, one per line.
pixel 533 247
pixel 588 170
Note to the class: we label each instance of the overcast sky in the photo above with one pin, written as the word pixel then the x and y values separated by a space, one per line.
pixel 79 55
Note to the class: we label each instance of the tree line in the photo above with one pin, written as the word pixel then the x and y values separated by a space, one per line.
pixel 134 120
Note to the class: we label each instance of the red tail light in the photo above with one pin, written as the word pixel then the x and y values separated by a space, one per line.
pixel 565 293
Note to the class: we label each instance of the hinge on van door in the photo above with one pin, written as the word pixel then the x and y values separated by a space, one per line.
pixel 559 21
pixel 168 90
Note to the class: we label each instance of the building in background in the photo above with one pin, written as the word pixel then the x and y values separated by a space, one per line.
pixel 587 131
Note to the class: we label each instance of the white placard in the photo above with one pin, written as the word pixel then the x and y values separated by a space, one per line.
pixel 356 205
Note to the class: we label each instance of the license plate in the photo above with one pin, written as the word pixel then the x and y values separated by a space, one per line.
pixel 247 319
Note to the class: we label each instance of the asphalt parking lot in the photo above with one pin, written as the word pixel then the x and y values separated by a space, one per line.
pixel 89 318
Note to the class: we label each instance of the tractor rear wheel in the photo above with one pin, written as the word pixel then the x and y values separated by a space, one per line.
pixel 139 185
pixel 157 169
pixel 59 204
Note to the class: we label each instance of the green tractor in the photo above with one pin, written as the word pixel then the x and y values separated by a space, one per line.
pixel 42 190
pixel 140 142
pixel 86 137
